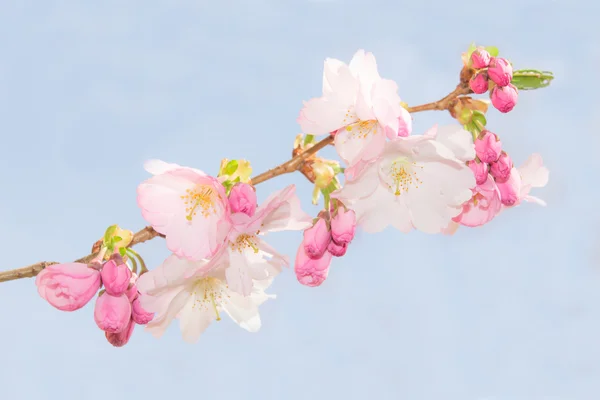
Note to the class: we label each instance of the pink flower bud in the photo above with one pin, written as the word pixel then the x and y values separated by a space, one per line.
pixel 479 83
pixel 120 339
pixel 311 272
pixel 139 315
pixel 500 71
pixel 132 291
pixel 337 249
pixel 509 190
pixel 488 147
pixel 112 313
pixel 504 99
pixel 68 287
pixel 316 239
pixel 343 225
pixel 242 198
pixel 480 58
pixel 501 168
pixel 115 276
pixel 480 170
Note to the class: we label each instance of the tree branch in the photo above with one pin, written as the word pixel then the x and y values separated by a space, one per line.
pixel 297 163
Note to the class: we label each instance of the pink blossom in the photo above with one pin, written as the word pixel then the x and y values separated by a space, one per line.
pixel 311 272
pixel 112 313
pixel 480 169
pixel 132 291
pixel 343 225
pixel 359 106
pixel 120 339
pixel 316 239
pixel 504 99
pixel 479 83
pixel 483 206
pixel 500 71
pixel 242 198
pixel 187 206
pixel 480 58
pixel 68 287
pixel 533 175
pixel 488 147
pixel 500 169
pixel 116 276
pixel 139 314
pixel 404 123
pixel 337 249
pixel 510 189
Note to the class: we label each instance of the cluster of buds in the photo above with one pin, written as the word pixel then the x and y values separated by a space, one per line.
pixel 327 238
pixel 493 74
pixel 70 286
pixel 492 161
pixel 118 307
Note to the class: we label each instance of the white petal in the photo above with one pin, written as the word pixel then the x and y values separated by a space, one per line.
pixel 244 311
pixel 458 140
pixel 238 273
pixel 194 320
pixel 160 322
pixel 533 171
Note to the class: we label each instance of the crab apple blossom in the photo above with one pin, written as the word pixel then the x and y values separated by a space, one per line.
pixel 417 182
pixel 488 147
pixel 116 275
pixel 112 313
pixel 242 198
pixel 187 290
pixel 68 287
pixel 480 58
pixel 504 99
pixel 481 171
pixel 500 169
pixel 343 225
pixel 359 107
pixel 120 339
pixel 138 314
pixel 500 71
pixel 187 206
pixel 532 174
pixel 337 249
pixel 246 255
pixel 483 205
pixel 479 83
pixel 311 271
pixel 316 239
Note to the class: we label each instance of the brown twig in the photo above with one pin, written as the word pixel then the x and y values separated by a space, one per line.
pixel 299 162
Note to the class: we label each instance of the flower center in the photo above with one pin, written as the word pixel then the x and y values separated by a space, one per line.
pixel 362 129
pixel 200 199
pixel 245 241
pixel 400 174
pixel 209 294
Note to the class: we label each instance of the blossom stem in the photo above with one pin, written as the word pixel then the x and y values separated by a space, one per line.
pixel 300 161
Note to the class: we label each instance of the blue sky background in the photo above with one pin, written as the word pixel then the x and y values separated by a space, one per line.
pixel 89 90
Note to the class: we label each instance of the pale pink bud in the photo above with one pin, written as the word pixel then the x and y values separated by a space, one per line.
pixel 480 58
pixel 501 168
pixel 242 198
pixel 311 272
pixel 68 287
pixel 343 226
pixel 500 71
pixel 337 249
pixel 139 315
pixel 479 83
pixel 480 170
pixel 488 147
pixel 504 99
pixel 115 276
pixel 112 313
pixel 316 239
pixel 509 190
pixel 120 339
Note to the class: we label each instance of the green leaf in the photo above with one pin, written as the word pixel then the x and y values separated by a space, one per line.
pixel 309 139
pixel 230 168
pixel 493 50
pixel 108 234
pixel 117 239
pixel 531 79
pixel 479 120
pixel 122 251
pixel 236 180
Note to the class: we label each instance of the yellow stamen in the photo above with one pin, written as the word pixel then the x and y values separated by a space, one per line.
pixel 200 199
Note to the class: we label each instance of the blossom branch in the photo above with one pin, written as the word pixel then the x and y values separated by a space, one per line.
pixel 299 162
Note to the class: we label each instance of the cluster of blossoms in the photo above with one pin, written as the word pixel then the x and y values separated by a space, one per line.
pixel 493 74
pixel 215 228
pixel 69 287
